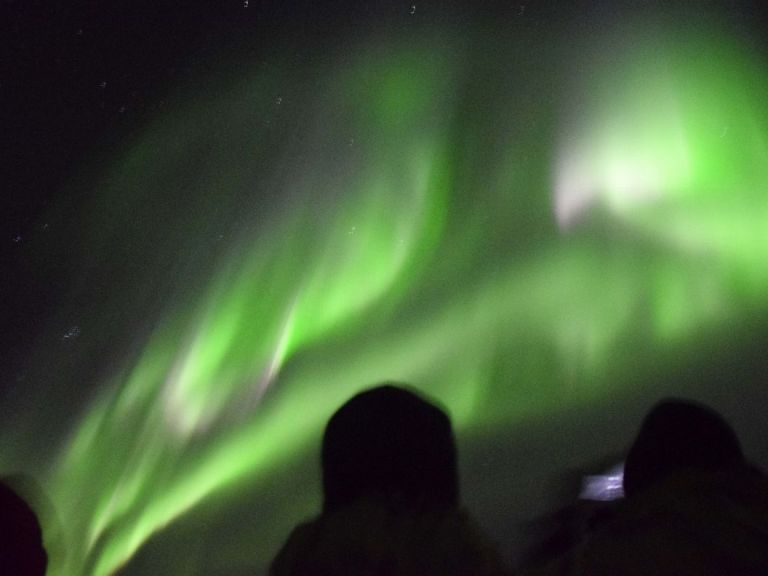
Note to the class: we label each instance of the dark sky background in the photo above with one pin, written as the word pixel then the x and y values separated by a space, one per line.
pixel 79 79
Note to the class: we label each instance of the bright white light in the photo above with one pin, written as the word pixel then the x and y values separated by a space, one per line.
pixel 605 487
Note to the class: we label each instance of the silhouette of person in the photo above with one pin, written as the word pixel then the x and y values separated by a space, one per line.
pixel 679 436
pixel 391 502
pixel 693 506
pixel 21 537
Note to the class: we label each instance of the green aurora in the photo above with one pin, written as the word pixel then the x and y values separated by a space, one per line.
pixel 408 212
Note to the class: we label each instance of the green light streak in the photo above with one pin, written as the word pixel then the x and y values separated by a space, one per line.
pixel 378 266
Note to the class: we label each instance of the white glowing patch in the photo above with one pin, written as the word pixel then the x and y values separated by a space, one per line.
pixel 626 151
pixel 604 487
pixel 281 349
pixel 618 187
pixel 574 194
pixel 186 418
pixel 631 184
pixel 181 418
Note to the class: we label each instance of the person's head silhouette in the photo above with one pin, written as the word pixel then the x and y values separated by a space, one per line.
pixel 391 497
pixel 679 435
pixel 389 442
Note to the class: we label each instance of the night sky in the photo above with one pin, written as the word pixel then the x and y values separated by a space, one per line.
pixel 220 220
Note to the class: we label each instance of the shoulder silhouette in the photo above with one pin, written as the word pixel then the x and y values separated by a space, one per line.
pixel 21 537
pixel 694 505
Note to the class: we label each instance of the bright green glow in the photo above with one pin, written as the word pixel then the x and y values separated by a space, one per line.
pixel 186 420
pixel 392 257
pixel 680 151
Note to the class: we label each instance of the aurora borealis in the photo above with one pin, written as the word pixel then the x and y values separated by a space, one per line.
pixel 518 229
